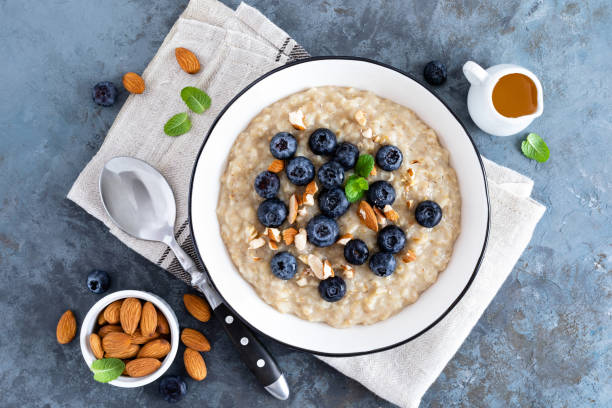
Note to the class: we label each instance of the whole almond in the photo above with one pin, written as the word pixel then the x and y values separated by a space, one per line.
pixel 142 366
pixel 66 328
pixel 197 307
pixel 130 315
pixel 162 324
pixel 195 340
pixel 130 352
pixel 116 342
pixel 194 364
pixel 95 343
pixel 148 319
pixel 187 60
pixel 101 319
pixel 367 216
pixel 138 338
pixel 155 349
pixel 133 83
pixel 104 330
pixel 113 311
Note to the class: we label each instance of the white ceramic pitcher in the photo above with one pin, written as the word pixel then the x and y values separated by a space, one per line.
pixel 480 98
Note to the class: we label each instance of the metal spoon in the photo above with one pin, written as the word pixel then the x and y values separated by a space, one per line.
pixel 140 201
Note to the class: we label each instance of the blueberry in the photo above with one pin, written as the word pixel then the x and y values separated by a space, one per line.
pixel 332 289
pixel 322 231
pixel 267 184
pixel 435 73
pixel 300 171
pixel 331 174
pixel 283 265
pixel 333 202
pixel 346 154
pixel 380 194
pixel 173 388
pixel 391 239
pixel 283 145
pixel 98 281
pixel 382 264
pixel 389 158
pixel 428 214
pixel 104 93
pixel 272 212
pixel 356 252
pixel 323 142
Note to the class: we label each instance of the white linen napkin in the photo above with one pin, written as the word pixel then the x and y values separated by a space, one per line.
pixel 234 48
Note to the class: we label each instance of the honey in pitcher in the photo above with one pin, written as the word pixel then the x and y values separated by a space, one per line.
pixel 515 95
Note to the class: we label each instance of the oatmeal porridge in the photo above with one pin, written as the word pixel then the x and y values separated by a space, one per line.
pixel 339 206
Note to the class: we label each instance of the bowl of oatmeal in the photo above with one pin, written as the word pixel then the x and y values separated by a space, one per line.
pixel 339 206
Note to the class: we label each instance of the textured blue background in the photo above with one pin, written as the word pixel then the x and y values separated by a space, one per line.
pixel 545 339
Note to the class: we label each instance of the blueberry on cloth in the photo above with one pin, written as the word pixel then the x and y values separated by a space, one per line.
pixel 98 281
pixel 382 264
pixel 322 142
pixel 332 289
pixel 391 239
pixel 333 202
pixel 173 388
pixel 346 154
pixel 434 73
pixel 283 265
pixel 356 252
pixel 322 231
pixel 272 212
pixel 380 194
pixel 283 145
pixel 331 174
pixel 389 158
pixel 300 171
pixel 428 214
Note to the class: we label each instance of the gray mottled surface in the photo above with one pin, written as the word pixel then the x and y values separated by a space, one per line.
pixel 545 339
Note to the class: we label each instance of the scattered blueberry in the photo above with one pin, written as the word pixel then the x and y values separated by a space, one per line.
pixel 173 388
pixel 333 202
pixel 267 184
pixel 283 265
pixel 98 281
pixel 283 145
pixel 356 252
pixel 322 231
pixel 347 155
pixel 332 289
pixel 331 174
pixel 389 158
pixel 428 214
pixel 323 142
pixel 300 171
pixel 380 194
pixel 272 212
pixel 435 73
pixel 391 239
pixel 104 93
pixel 382 264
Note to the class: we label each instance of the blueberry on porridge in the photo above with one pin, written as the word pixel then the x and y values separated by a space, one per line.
pixel 283 145
pixel 322 142
pixel 381 193
pixel 346 154
pixel 389 158
pixel 382 264
pixel 333 202
pixel 300 171
pixel 267 184
pixel 331 175
pixel 356 252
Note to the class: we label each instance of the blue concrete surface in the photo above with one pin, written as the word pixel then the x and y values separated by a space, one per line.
pixel 543 342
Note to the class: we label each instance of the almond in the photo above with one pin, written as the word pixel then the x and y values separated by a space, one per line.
pixel 116 342
pixel 367 133
pixel 312 188
pixel 367 216
pixel 409 256
pixel 272 245
pixel 129 316
pixel 101 319
pixel 308 199
pixel 348 271
pixel 293 209
pixel 148 319
pixel 162 324
pixel 133 83
pixel 380 217
pixel 274 234
pixel 300 239
pixel 195 340
pixel 276 166
pixel 66 328
pixel 327 269
pixel 344 239
pixel 155 349
pixel 197 307
pixel 297 120
pixel 139 338
pixel 109 328
pixel 361 118
pixel 390 213
pixel 129 352
pixel 95 343
pixel 142 366
pixel 112 312
pixel 257 243
pixel 194 364
pixel 289 235
pixel 187 60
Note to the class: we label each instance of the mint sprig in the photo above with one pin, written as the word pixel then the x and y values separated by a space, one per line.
pixel 355 187
pixel 177 125
pixel 107 369
pixel 534 147
pixel 196 99
pixel 364 166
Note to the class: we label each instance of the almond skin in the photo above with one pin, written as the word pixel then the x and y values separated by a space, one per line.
pixel 112 312
pixel 138 338
pixel 104 330
pixel 155 349
pixel 130 312
pixel 195 340
pixel 130 352
pixel 162 324
pixel 116 342
pixel 148 320
pixel 187 60
pixel 142 366
pixel 194 364
pixel 66 328
pixel 96 345
pixel 197 307
pixel 133 83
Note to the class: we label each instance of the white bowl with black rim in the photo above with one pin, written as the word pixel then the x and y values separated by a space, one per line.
pixel 320 338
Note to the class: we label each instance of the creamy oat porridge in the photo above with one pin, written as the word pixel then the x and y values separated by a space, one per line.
pixel 319 256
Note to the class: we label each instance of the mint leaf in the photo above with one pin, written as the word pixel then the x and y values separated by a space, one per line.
pixel 535 148
pixel 177 125
pixel 196 99
pixel 364 166
pixel 355 187
pixel 107 369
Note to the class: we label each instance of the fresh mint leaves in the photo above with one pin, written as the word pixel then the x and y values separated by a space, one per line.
pixel 535 148
pixel 364 166
pixel 107 369
pixel 196 99
pixel 355 187
pixel 177 125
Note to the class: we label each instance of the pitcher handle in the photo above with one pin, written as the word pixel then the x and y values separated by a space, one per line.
pixel 474 73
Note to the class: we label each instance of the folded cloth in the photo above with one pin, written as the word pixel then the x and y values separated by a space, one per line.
pixel 236 47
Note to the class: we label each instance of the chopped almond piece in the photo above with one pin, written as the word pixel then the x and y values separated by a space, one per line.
pixel 367 133
pixel 409 203
pixel 312 188
pixel 301 281
pixel 273 245
pixel 288 235
pixel 257 243
pixel 297 120
pixel 251 233
pixel 274 234
pixel 380 217
pixel 308 199
pixel 390 213
pixel 304 259
pixel 344 239
pixel 348 272
pixel 276 166
pixel 293 209
pixel 367 216
pixel 409 256
pixel 300 240
pixel 257 258
pixel 316 265
pixel 361 118
pixel 327 270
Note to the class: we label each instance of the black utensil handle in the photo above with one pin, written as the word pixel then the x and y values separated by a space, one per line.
pixel 252 352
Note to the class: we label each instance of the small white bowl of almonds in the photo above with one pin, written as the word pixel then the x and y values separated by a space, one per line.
pixel 136 327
